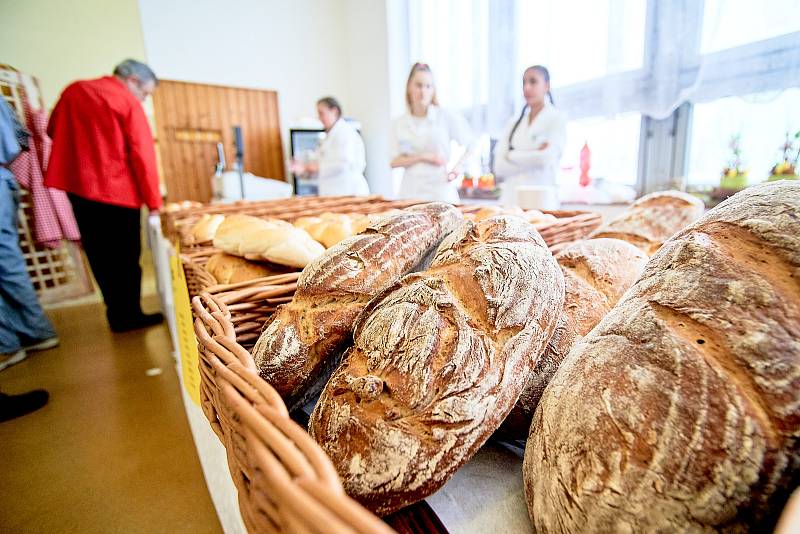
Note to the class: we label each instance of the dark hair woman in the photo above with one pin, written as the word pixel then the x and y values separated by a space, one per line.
pixel 529 151
pixel 340 158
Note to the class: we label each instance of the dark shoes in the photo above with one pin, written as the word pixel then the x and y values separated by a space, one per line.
pixel 13 406
pixel 136 322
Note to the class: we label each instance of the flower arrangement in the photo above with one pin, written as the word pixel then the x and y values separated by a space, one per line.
pixel 787 168
pixel 733 175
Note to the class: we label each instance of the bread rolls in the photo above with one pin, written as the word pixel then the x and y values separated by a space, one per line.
pixel 680 411
pixel 206 228
pixel 596 274
pixel 303 336
pixel 439 360
pixel 228 269
pixel 653 219
pixel 271 240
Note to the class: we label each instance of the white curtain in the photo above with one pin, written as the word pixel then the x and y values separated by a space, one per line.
pixel 606 57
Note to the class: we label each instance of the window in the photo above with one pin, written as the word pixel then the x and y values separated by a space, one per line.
pixel 613 62
pixel 578 40
pixel 761 120
pixel 614 144
pixel 452 37
pixel 731 23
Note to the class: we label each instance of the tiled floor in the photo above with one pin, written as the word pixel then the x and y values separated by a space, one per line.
pixel 112 451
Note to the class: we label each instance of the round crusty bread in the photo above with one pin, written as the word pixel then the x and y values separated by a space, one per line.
pixel 438 361
pixel 653 219
pixel 305 335
pixel 596 274
pixel 680 411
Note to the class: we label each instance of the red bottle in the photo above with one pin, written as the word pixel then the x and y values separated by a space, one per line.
pixel 586 162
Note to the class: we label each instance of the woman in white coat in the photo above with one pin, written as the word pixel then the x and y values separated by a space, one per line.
pixel 341 158
pixel 529 152
pixel 421 141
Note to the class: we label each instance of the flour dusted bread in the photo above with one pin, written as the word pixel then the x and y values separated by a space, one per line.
pixel 653 219
pixel 596 274
pixel 438 361
pixel 680 411
pixel 304 335
pixel 271 240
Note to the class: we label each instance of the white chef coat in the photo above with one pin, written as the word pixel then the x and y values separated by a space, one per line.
pixel 342 161
pixel 432 133
pixel 525 165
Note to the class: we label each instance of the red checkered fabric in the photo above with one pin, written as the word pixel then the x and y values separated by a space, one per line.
pixel 53 220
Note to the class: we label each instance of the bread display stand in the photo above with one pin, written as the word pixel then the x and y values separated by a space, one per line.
pixel 485 493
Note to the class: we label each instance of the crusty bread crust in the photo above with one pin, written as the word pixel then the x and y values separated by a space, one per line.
pixel 653 219
pixel 303 335
pixel 596 274
pixel 680 411
pixel 438 362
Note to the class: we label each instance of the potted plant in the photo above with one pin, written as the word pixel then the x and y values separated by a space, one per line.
pixel 787 168
pixel 733 175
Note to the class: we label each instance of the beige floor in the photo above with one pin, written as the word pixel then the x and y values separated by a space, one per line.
pixel 112 452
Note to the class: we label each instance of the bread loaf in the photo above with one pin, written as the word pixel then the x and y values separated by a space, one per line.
pixel 228 269
pixel 205 229
pixel 305 334
pixel 596 274
pixel 680 411
pixel 439 360
pixel 653 219
pixel 271 240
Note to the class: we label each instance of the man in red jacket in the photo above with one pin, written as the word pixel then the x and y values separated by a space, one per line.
pixel 103 156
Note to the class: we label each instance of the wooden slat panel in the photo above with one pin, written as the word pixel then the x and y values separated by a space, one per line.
pixel 188 163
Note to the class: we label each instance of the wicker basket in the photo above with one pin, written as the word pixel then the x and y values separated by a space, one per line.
pixel 194 255
pixel 251 303
pixel 285 482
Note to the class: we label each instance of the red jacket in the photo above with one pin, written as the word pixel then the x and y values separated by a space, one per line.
pixel 102 145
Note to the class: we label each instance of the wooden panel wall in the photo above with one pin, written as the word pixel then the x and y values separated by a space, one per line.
pixel 191 118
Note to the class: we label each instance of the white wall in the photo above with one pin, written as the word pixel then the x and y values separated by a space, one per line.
pixel 304 49
pixel 60 42
pixel 296 47
pixel 369 86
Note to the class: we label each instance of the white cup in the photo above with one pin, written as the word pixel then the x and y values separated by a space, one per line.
pixel 537 197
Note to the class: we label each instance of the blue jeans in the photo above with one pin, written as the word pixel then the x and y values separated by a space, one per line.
pixel 22 320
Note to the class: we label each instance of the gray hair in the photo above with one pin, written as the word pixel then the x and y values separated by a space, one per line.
pixel 131 67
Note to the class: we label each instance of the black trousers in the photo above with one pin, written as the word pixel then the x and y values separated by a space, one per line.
pixel 111 237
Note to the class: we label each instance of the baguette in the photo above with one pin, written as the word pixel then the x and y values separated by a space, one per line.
pixel 680 411
pixel 272 240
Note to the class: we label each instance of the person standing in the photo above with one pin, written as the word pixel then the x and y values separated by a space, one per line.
pixel 421 140
pixel 103 156
pixel 23 325
pixel 341 157
pixel 529 152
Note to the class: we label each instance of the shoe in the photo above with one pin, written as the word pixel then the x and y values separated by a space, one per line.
pixel 12 358
pixel 142 321
pixel 45 344
pixel 13 406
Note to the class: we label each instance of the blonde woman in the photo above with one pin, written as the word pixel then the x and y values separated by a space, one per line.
pixel 529 151
pixel 421 140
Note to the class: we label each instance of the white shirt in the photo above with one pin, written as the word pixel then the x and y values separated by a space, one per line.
pixel 432 133
pixel 342 161
pixel 525 164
